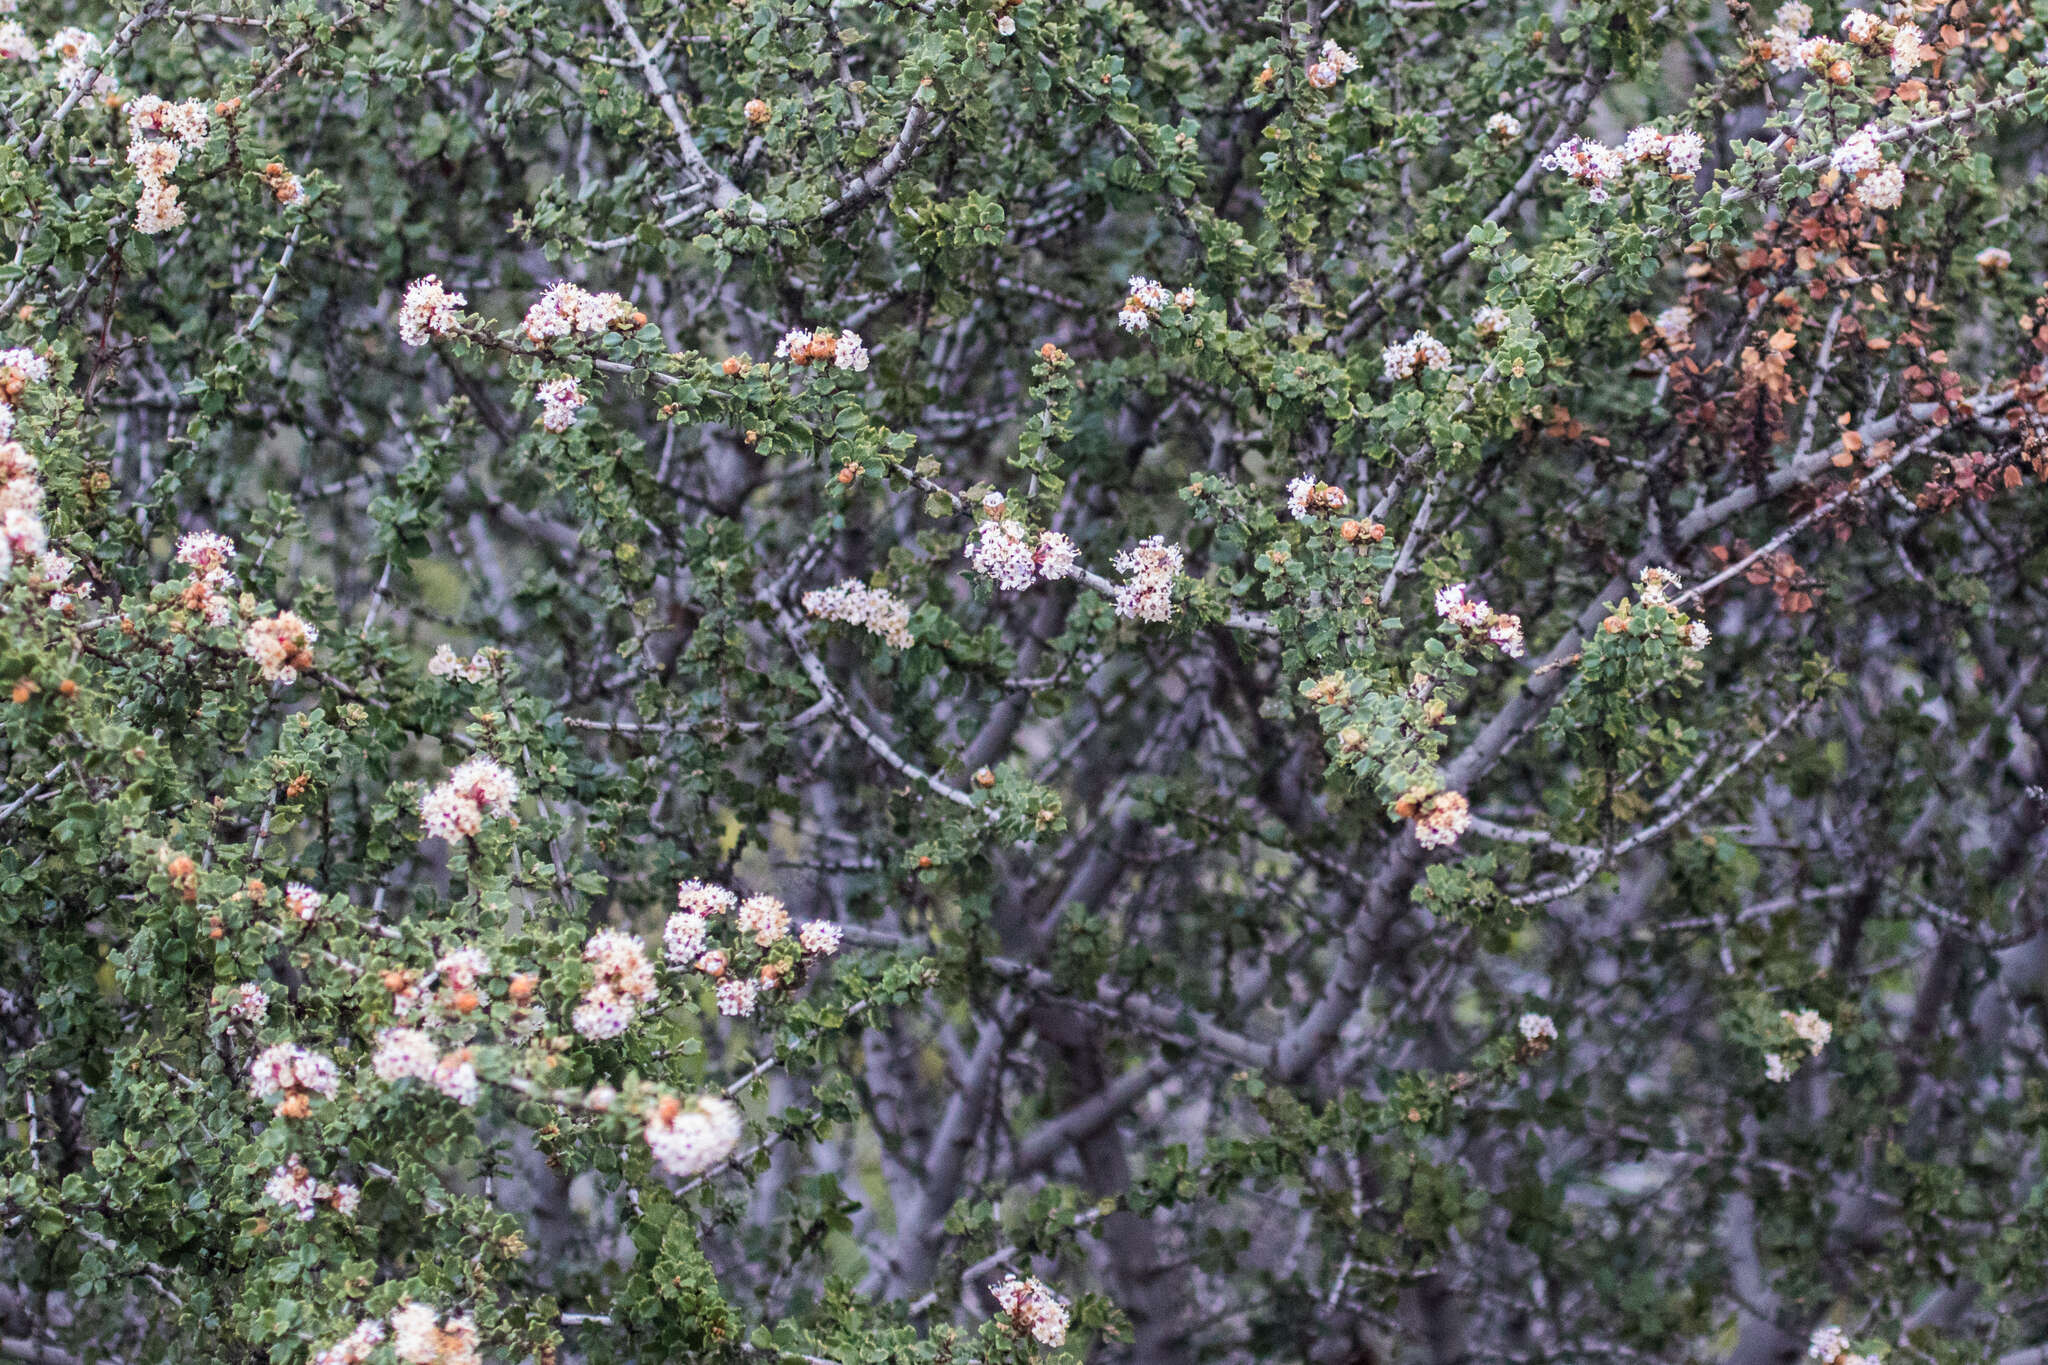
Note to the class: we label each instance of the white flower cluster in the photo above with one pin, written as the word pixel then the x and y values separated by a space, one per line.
pixel 1993 259
pixel 430 311
pixel 75 51
pixel 1879 185
pixel 446 663
pixel 686 941
pixel 569 310
pixel 1439 817
pixel 1899 40
pixel 355 1348
pixel 1032 1310
pixel 1004 552
pixel 159 131
pixel 560 398
pixel 1674 326
pixel 23 537
pixel 1809 1028
pixel 418 1338
pixel 1490 323
pixel 623 984
pixel 1477 618
pixel 301 902
pixel 281 645
pixel 1537 1030
pixel 844 350
pixel 478 787
pixel 690 1139
pixel 295 1074
pixel 1504 126
pixel 405 1053
pixel 207 553
pixel 1654 587
pixel 1307 497
pixel 293 1186
pixel 249 1003
pixel 1150 567
pixel 1406 359
pixel 1830 1346
pixel 1146 298
pixel 1597 166
pixel 1330 66
pixel 880 611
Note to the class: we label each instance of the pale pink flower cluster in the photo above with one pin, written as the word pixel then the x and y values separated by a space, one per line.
pixel 1476 617
pixel 301 902
pixel 430 311
pixel 560 398
pixel 1032 1310
pixel 157 129
pixel 248 1004
pixel 801 346
pixel 355 1348
pixel 478 787
pixel 294 1073
pixel 1307 497
pixel 566 310
pixel 1406 359
pixel 446 663
pixel 1003 551
pixel 880 611
pixel 689 1139
pixel 281 645
pixel 419 1338
pixel 624 983
pixel 1150 567
pixel 1331 66
pixel 15 44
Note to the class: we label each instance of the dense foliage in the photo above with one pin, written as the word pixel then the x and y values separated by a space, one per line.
pixel 944 681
